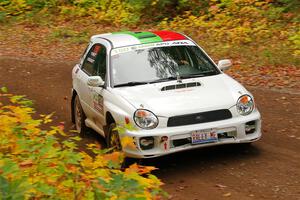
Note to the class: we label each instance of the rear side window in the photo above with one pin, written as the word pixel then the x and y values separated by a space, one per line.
pixel 95 61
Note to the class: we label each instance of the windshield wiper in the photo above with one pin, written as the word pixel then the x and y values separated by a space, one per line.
pixel 164 79
pixel 198 75
pixel 133 83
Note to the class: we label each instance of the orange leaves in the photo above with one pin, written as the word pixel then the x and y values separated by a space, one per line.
pixel 52 164
pixel 139 169
pixel 267 76
pixel 46 167
pixel 115 157
pixel 26 163
pixel 72 168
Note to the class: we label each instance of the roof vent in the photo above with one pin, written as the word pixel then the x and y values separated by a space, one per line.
pixel 180 86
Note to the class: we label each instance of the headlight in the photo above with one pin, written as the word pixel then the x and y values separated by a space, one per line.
pixel 145 119
pixel 245 105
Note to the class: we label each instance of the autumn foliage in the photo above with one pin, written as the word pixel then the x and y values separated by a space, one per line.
pixel 262 32
pixel 35 164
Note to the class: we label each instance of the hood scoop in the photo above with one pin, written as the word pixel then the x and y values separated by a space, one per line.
pixel 180 86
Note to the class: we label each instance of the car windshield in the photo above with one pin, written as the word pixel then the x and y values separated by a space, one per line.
pixel 158 64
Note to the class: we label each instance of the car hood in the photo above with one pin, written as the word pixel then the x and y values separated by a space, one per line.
pixel 215 92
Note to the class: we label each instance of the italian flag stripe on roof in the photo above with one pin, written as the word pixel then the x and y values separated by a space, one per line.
pixel 154 36
pixel 169 35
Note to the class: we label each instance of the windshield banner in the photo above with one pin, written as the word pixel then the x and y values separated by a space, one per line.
pixel 151 45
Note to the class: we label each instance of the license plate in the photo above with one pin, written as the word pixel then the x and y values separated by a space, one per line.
pixel 204 136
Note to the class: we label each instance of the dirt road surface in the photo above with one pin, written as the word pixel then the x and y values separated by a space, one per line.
pixel 269 169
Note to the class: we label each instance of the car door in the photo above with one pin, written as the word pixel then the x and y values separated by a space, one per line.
pixel 89 67
pixel 97 92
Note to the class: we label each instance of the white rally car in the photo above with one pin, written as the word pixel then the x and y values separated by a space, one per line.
pixel 164 84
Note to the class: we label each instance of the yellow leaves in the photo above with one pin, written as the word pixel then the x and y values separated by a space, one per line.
pixel 99 162
pixel 4 89
pixel 47 118
pixel 54 169
pixel 128 142
pixel 261 3
pixel 56 129
pixel 296 52
pixel 87 161
pixel 154 2
pixel 105 174
pixel 233 24
pixel 92 145
pixel 113 198
pixel 51 132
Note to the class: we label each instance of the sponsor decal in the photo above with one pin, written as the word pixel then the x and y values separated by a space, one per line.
pixel 151 45
pixel 93 54
pixel 91 60
pixel 98 102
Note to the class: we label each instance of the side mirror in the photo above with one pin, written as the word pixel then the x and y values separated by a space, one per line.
pixel 224 64
pixel 95 81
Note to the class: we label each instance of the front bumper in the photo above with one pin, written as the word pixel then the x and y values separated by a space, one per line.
pixel 179 138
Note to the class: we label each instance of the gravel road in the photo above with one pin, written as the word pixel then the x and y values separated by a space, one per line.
pixel 268 169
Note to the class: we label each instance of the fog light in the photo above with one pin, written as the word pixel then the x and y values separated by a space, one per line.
pixel 250 127
pixel 146 143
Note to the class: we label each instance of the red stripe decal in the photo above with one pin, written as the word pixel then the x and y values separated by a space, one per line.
pixel 169 35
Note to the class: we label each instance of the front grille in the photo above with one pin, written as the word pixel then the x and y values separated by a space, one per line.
pixel 180 142
pixel 197 118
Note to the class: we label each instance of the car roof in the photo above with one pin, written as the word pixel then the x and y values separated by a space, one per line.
pixel 128 38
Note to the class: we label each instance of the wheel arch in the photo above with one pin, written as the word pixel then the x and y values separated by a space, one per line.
pixel 109 119
pixel 74 94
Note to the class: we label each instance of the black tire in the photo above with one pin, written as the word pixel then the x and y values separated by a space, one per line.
pixel 113 139
pixel 246 144
pixel 79 117
pixel 130 161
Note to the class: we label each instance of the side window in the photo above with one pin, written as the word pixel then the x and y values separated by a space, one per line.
pixel 95 61
pixel 85 50
pixel 100 64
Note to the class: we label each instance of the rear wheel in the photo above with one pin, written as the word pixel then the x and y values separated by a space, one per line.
pixel 79 117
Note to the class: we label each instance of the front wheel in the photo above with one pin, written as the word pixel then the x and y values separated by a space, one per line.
pixel 79 117
pixel 113 139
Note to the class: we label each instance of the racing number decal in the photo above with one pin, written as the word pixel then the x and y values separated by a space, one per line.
pixel 164 143
pixel 98 102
